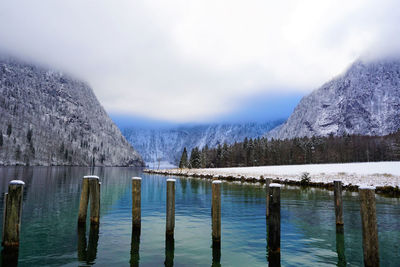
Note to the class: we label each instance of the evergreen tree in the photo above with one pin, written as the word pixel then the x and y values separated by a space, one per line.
pixel 195 160
pixel 29 136
pixel 183 163
pixel 9 129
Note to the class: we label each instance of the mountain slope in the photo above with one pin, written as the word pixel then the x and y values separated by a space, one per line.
pixel 167 144
pixel 48 118
pixel 364 100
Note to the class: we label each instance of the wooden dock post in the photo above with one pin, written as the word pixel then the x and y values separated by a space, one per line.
pixel 274 225
pixel 216 211
pixel 94 193
pixel 12 214
pixel 136 202
pixel 267 183
pixel 338 202
pixel 369 225
pixel 90 188
pixel 170 225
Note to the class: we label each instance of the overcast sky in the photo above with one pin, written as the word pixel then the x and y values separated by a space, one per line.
pixel 188 61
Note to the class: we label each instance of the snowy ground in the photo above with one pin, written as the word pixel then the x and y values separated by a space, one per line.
pixel 377 174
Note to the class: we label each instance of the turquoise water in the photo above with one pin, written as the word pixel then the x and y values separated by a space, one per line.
pixel 49 235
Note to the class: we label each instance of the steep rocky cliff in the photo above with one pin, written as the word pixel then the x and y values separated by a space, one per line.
pixel 364 100
pixel 48 118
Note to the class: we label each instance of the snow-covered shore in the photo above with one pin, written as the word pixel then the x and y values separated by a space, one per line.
pixel 378 174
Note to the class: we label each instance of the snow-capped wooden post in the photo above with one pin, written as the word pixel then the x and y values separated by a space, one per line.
pixel 274 224
pixel 338 202
pixel 216 211
pixel 94 193
pixel 90 188
pixel 12 214
pixel 170 225
pixel 267 183
pixel 136 202
pixel 369 225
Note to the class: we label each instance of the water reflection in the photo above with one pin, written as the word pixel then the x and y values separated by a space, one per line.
pixel 88 255
pixel 169 251
pixel 216 254
pixel 340 246
pixel 135 246
pixel 9 257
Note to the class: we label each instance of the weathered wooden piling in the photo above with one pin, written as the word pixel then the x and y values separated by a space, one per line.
pixel 170 224
pixel 94 193
pixel 216 211
pixel 267 183
pixel 369 225
pixel 274 225
pixel 338 202
pixel 90 189
pixel 12 214
pixel 136 202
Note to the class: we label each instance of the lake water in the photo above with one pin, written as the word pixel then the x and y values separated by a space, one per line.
pixel 49 235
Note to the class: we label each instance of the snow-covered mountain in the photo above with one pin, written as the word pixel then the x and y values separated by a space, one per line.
pixel 167 144
pixel 48 118
pixel 364 100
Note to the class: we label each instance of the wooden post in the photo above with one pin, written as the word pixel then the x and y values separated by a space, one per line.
pixel 136 202
pixel 267 183
pixel 12 214
pixel 338 202
pixel 274 225
pixel 170 225
pixel 216 211
pixel 369 226
pixel 83 204
pixel 94 193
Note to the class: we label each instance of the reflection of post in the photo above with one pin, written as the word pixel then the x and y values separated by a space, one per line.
pixel 82 243
pixel 216 256
pixel 274 225
pixel 12 214
pixel 169 251
pixel 369 226
pixel 92 244
pixel 267 183
pixel 135 244
pixel 338 202
pixel 216 211
pixel 88 253
pixel 136 194
pixel 170 225
pixel 340 249
pixel 9 257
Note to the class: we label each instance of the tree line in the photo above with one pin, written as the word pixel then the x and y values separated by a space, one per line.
pixel 261 151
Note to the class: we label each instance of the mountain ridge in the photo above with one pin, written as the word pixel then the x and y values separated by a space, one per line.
pixel 364 100
pixel 49 118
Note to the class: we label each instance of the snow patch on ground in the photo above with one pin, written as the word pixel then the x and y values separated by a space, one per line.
pixel 367 173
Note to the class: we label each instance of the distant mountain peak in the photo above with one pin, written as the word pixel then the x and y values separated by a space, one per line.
pixel 364 100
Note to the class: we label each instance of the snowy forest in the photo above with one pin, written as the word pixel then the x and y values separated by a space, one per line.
pixel 261 151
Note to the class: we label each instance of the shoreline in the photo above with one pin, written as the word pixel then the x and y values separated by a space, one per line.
pixel 387 182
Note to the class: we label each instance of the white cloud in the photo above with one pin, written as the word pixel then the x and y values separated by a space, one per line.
pixel 188 60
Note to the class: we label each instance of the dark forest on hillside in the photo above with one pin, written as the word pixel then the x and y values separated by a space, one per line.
pixel 261 151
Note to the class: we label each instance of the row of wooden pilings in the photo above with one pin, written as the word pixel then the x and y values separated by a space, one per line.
pixel 91 192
